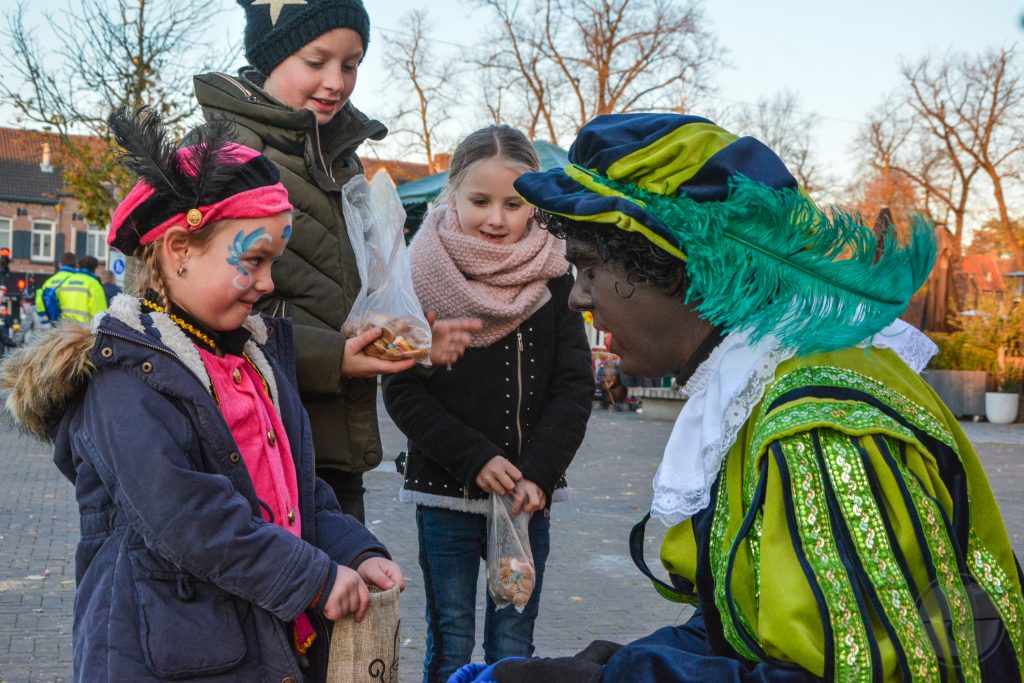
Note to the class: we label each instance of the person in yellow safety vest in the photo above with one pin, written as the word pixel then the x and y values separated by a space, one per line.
pixel 79 294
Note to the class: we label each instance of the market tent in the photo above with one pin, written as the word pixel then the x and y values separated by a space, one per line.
pixel 424 190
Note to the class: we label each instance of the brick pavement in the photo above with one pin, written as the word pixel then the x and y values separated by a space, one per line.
pixel 591 588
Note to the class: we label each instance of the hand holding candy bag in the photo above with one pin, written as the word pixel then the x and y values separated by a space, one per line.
pixel 511 574
pixel 375 219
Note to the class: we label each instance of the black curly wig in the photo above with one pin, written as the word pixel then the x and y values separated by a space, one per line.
pixel 644 262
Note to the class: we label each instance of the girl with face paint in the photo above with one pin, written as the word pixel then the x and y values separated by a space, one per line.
pixel 177 418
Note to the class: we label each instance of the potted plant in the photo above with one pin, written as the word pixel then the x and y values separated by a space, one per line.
pixel 958 373
pixel 1001 405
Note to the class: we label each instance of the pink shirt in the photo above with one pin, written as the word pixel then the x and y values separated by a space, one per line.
pixel 260 435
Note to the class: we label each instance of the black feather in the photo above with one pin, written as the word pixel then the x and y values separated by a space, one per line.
pixel 149 153
pixel 209 165
pixel 182 181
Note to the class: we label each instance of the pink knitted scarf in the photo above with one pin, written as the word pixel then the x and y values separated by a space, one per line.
pixel 461 276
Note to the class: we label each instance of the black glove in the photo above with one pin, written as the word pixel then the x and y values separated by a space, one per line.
pixel 548 670
pixel 599 651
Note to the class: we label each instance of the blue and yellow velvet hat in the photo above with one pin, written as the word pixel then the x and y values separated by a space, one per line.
pixel 760 255
pixel 664 154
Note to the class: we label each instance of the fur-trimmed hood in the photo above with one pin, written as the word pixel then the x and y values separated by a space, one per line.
pixel 45 377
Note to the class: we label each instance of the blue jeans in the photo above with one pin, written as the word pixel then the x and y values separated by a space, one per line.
pixel 451 547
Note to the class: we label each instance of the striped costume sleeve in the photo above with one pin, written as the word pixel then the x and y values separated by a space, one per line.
pixel 848 561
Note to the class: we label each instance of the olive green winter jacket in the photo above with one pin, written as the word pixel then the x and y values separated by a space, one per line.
pixel 316 279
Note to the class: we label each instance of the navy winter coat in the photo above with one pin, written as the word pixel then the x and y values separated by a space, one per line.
pixel 179 577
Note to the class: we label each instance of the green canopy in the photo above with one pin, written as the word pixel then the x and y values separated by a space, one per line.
pixel 424 190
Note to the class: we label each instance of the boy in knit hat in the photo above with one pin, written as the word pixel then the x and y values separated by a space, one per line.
pixel 292 103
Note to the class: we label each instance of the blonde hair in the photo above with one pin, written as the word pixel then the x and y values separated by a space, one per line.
pixel 505 142
pixel 146 270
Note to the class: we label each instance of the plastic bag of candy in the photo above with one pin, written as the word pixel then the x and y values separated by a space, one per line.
pixel 511 574
pixel 375 221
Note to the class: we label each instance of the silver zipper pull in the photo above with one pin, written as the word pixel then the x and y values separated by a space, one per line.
pixel 519 335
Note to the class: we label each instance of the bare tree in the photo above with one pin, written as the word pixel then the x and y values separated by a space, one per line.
pixel 779 123
pixel 897 143
pixel 989 237
pixel 974 106
pixel 412 64
pixel 106 53
pixel 601 56
pixel 520 82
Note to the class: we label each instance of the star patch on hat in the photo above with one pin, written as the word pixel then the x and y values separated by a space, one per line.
pixel 276 6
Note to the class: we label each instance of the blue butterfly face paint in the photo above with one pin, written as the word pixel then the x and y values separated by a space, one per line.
pixel 237 250
pixel 286 234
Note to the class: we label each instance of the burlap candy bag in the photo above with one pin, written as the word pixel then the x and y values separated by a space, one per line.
pixel 367 652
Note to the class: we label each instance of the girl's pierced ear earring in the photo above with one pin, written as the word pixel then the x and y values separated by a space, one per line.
pixel 624 296
pixel 181 270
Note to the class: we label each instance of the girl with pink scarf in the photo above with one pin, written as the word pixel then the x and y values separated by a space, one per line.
pixel 508 416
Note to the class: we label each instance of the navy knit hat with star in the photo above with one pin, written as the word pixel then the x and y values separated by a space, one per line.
pixel 277 29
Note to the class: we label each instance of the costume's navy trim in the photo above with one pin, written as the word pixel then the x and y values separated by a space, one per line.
pixel 757 503
pixel 897 551
pixel 718 644
pixel 950 468
pixel 981 603
pixel 812 582
pixel 1001 659
pixel 922 542
pixel 681 590
pixel 859 580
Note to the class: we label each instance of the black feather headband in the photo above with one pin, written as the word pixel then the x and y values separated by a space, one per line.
pixel 209 178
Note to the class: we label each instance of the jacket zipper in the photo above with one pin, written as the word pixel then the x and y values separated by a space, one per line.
pixel 316 129
pixel 320 153
pixel 519 395
pixel 213 390
pixel 139 343
pixel 245 91
pixel 313 447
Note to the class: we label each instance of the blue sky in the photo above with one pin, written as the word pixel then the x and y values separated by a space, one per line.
pixel 840 58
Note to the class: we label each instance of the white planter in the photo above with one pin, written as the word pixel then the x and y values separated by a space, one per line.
pixel 1001 409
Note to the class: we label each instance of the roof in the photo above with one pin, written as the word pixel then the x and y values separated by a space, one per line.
pixel 401 172
pixel 27 145
pixel 425 189
pixel 21 154
pixel 983 270
pixel 22 181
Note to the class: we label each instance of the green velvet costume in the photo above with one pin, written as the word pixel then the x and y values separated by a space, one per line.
pixel 847 531
pixel 854 533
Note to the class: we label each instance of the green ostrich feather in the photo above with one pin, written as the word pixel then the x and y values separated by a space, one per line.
pixel 771 262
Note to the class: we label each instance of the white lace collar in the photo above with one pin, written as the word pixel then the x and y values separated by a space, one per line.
pixel 720 397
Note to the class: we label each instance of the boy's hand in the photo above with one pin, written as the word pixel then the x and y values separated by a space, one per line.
pixel 349 594
pixel 382 573
pixel 356 363
pixel 528 497
pixel 498 476
pixel 449 338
